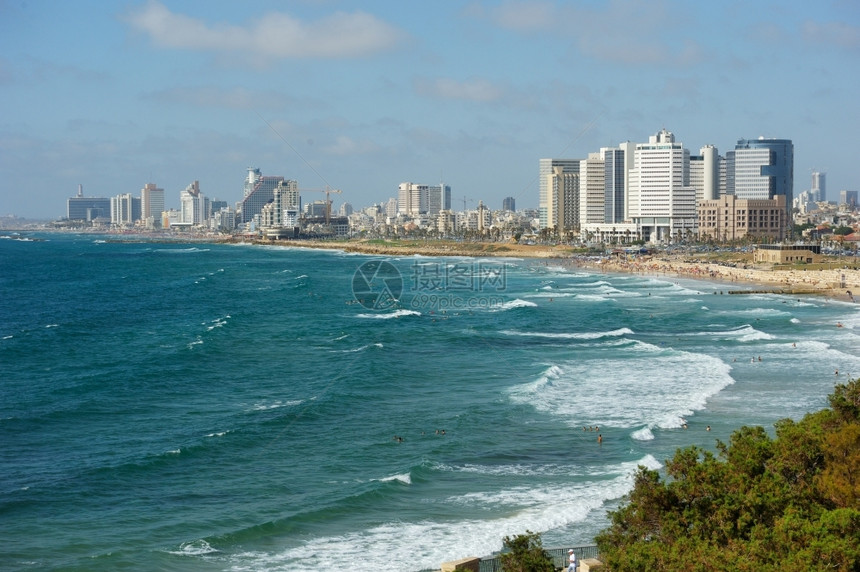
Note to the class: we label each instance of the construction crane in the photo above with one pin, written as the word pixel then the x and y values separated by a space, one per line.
pixel 326 190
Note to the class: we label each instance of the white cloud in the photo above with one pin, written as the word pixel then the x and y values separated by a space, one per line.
pixel 525 16
pixel 344 145
pixel 619 31
pixel 231 98
pixel 471 90
pixel 835 33
pixel 275 36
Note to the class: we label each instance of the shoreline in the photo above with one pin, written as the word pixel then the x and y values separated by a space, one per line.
pixel 834 283
pixel 838 283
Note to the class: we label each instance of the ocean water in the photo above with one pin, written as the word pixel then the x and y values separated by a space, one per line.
pixel 236 407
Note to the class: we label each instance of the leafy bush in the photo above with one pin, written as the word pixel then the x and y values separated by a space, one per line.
pixel 762 504
pixel 525 554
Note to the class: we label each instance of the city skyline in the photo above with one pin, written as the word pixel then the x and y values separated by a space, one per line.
pixel 114 96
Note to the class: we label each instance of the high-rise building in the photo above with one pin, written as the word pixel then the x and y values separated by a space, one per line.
pixel 615 184
pixel 412 199
pixel 564 210
pixel 151 205
pixel 259 190
pixel 509 204
pixel 661 201
pixel 194 205
pixel 547 202
pixel 88 208
pixel 283 210
pixel 848 198
pixel 705 174
pixel 438 198
pixel 761 169
pixel 592 190
pixel 391 208
pixel 124 210
pixel 345 209
pixel 819 185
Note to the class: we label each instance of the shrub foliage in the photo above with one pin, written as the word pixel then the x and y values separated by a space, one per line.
pixel 525 553
pixel 760 504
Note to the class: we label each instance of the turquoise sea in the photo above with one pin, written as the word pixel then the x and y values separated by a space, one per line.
pixel 202 407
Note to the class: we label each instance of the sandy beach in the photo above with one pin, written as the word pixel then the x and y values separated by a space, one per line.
pixel 832 282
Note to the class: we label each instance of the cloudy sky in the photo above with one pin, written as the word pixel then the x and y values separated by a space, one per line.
pixel 362 96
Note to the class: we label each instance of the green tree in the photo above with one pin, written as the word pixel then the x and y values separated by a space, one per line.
pixel 761 504
pixel 525 554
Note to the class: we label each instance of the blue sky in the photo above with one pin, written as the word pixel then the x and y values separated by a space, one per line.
pixel 364 96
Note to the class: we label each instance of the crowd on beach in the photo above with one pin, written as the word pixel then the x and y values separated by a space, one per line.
pixel 838 282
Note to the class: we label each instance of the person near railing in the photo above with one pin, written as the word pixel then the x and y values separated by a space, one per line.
pixel 572 558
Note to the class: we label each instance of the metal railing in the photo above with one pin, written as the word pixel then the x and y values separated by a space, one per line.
pixel 559 558
pixel 558 555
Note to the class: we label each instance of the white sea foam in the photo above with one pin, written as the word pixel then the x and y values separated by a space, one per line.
pixel 217 323
pixel 424 544
pixel 794 321
pixel 404 478
pixel 644 434
pixel 570 335
pixel 591 298
pixel 552 294
pixel 395 314
pixel 360 349
pixel 179 250
pixel 195 548
pixel 518 303
pixel 745 333
pixel 276 405
pixel 646 385
pixel 756 312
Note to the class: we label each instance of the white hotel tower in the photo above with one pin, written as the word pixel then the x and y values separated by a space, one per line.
pixel 661 201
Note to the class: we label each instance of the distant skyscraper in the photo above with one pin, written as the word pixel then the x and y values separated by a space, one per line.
pixel 565 207
pixel 547 202
pixel 592 190
pixel 661 201
pixel 414 199
pixel 411 199
pixel 193 205
pixel 151 204
pixel 259 190
pixel 848 198
pixel 88 208
pixel 283 211
pixel 819 185
pixel 124 210
pixel 705 174
pixel 438 198
pixel 762 169
pixel 509 204
pixel 614 180
pixel 391 208
pixel 345 209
